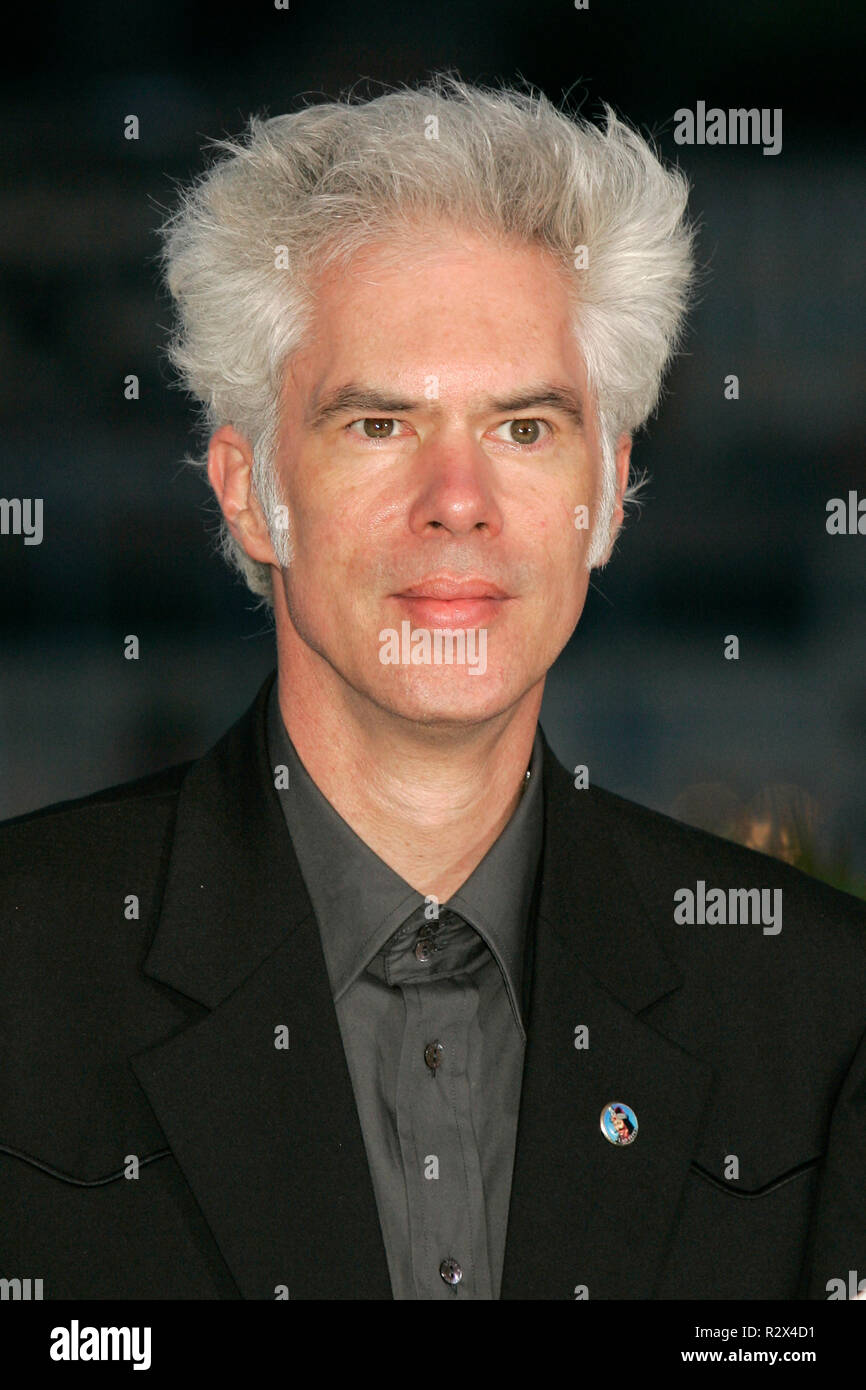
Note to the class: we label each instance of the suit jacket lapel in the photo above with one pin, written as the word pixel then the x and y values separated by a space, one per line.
pixel 586 1214
pixel 268 1138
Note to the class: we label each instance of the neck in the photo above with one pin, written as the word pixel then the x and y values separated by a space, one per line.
pixel 430 800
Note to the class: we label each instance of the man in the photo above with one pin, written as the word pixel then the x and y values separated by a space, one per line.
pixel 333 1011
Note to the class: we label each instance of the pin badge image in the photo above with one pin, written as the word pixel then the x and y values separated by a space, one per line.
pixel 619 1123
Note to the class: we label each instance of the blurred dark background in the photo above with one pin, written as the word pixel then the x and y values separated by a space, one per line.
pixel 731 537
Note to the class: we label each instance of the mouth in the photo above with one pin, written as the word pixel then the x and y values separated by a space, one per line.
pixel 426 611
pixel 448 590
pixel 443 602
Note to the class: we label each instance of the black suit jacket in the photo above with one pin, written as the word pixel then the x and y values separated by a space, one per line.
pixel 152 1037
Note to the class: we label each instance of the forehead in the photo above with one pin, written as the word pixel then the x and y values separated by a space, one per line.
pixel 475 313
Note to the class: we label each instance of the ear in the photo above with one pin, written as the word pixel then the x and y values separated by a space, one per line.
pixel 623 464
pixel 230 470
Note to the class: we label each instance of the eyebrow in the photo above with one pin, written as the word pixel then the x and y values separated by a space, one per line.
pixel 353 397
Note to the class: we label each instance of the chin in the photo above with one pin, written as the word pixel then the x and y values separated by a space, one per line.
pixel 464 700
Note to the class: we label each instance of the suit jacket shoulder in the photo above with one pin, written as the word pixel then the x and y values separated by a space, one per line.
pixel 665 856
pixel 80 883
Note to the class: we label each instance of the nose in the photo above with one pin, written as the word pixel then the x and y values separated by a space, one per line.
pixel 455 488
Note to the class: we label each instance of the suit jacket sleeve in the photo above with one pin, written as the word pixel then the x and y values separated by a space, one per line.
pixel 839 1233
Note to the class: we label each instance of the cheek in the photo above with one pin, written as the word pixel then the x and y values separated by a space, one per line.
pixel 323 535
pixel 318 502
pixel 564 544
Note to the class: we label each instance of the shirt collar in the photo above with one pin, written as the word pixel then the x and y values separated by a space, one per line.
pixel 359 901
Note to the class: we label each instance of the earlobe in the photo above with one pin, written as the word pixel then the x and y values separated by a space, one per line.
pixel 614 532
pixel 623 467
pixel 623 464
pixel 229 469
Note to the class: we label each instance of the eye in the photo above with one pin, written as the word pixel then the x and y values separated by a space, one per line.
pixel 375 427
pixel 523 432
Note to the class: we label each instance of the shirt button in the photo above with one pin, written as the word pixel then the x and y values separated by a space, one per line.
pixel 451 1271
pixel 433 1054
pixel 424 948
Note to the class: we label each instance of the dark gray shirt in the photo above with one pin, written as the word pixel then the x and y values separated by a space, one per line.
pixel 431 1015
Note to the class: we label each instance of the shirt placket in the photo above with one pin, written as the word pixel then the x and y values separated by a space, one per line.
pixel 437 1136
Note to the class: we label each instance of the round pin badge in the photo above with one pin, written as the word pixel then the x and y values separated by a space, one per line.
pixel 619 1123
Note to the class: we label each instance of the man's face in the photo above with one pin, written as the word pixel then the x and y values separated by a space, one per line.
pixel 439 458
